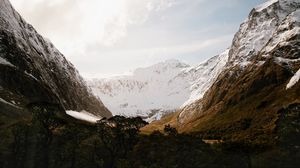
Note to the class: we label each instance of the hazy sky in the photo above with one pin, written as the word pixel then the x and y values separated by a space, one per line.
pixel 106 37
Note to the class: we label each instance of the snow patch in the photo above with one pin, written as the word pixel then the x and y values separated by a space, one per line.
pixel 5 62
pixel 157 116
pixel 293 80
pixel 260 63
pixel 265 5
pixel 285 60
pixel 8 103
pixel 286 30
pixel 30 75
pixel 83 115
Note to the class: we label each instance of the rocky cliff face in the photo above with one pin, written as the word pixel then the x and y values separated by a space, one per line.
pixel 260 78
pixel 32 70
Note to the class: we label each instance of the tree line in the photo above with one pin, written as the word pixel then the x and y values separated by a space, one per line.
pixel 49 140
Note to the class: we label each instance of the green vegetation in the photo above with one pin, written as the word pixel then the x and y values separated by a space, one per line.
pixel 51 140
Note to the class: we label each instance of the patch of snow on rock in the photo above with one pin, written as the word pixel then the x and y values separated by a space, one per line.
pixel 5 62
pixel 8 103
pixel 83 115
pixel 265 5
pixel 293 80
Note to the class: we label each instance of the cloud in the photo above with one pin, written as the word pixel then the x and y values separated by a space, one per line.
pixel 123 60
pixel 168 52
pixel 78 21
pixel 134 12
pixel 112 36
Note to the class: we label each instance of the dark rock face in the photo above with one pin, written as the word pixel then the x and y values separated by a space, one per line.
pixel 33 70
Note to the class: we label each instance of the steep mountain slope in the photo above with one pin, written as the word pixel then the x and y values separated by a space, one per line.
pixel 154 91
pixel 260 78
pixel 32 70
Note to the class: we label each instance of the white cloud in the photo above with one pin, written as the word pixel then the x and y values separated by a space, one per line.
pixel 168 52
pixel 125 60
pixel 79 21
pixel 113 36
pixel 132 12
pixel 160 5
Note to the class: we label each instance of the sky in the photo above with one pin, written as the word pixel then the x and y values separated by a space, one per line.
pixel 108 37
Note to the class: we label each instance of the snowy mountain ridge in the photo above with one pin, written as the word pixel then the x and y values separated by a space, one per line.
pixel 154 91
pixel 259 28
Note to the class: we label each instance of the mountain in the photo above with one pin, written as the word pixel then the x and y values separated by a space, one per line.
pixel 259 81
pixel 155 91
pixel 34 71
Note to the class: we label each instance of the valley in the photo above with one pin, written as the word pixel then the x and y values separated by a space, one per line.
pixel 240 108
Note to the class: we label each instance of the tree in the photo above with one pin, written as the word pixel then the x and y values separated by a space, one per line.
pixel 119 135
pixel 20 135
pixel 72 135
pixel 170 131
pixel 44 121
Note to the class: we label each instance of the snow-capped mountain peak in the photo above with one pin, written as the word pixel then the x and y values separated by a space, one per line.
pixel 153 91
pixel 259 28
pixel 169 68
